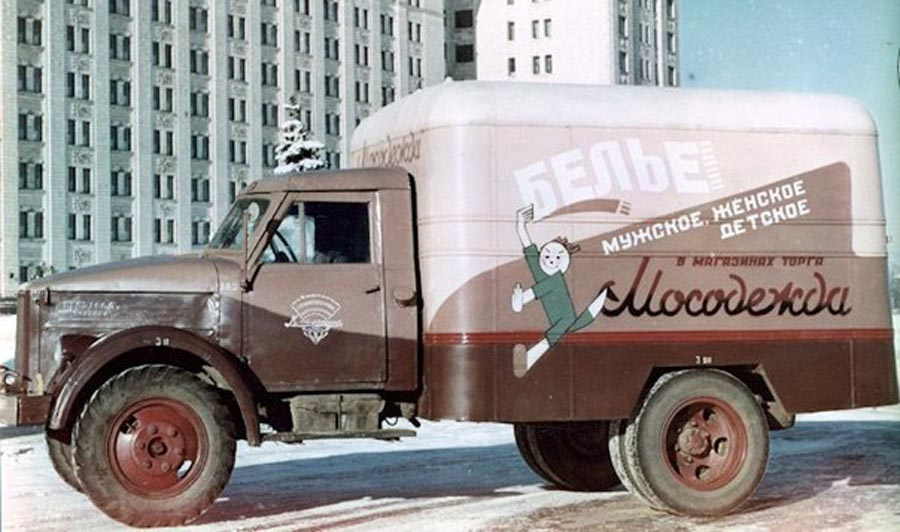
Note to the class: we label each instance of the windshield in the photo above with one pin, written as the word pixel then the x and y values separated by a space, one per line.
pixel 230 234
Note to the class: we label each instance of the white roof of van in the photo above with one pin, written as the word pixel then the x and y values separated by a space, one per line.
pixel 471 103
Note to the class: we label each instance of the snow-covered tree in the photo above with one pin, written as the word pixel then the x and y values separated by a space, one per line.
pixel 297 152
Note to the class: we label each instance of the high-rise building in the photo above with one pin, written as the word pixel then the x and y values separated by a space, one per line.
pixel 572 41
pixel 460 20
pixel 127 126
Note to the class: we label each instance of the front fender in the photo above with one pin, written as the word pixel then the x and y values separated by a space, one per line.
pixel 77 379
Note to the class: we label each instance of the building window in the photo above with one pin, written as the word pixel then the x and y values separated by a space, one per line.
pixel 510 31
pixel 73 181
pixel 465 53
pixel 535 28
pixel 237 68
pixel 547 27
pixel 198 19
pixel 269 74
pixel 387 25
pixel 120 7
pixel 161 11
pixel 671 76
pixel 464 18
pixel 200 232
pixel 85 226
pixel 31 79
pixel 119 47
pixel 120 183
pixel 85 180
pixel 199 62
pixel 623 62
pixel 548 64
pixel 31 127
pixel 199 189
pixel 35 35
pixel 536 65
pixel 200 147
pixel 199 104
pixel 268 34
pixel 671 42
pixel 623 26
pixel 511 66
pixel 31 176
pixel 237 27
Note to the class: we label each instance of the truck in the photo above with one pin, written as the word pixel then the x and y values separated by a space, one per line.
pixel 643 282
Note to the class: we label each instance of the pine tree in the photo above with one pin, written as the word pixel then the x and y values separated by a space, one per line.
pixel 297 152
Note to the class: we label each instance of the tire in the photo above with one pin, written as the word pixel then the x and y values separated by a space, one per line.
pixel 572 456
pixel 522 442
pixel 154 446
pixel 60 454
pixel 699 444
pixel 616 442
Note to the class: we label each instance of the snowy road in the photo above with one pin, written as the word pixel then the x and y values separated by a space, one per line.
pixel 838 471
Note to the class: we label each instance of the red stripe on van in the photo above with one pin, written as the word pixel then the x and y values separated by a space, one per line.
pixel 785 335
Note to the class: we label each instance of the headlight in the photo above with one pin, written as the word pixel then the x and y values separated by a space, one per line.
pixel 9 380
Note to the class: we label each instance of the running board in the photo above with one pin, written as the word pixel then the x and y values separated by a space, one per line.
pixel 299 437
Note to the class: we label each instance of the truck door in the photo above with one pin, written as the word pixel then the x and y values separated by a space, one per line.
pixel 315 314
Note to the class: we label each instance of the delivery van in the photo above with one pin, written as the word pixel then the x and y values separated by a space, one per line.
pixel 643 282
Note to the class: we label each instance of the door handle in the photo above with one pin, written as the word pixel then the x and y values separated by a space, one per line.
pixel 373 290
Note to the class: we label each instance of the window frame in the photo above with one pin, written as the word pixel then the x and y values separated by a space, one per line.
pixel 371 200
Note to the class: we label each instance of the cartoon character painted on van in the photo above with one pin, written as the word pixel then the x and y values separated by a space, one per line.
pixel 548 266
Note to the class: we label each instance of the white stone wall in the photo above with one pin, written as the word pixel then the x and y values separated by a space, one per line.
pixel 332 116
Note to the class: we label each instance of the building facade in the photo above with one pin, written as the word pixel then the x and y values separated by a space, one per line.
pixel 128 126
pixel 572 41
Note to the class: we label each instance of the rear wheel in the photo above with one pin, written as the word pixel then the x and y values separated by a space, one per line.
pixel 699 444
pixel 521 432
pixel 617 452
pixel 154 446
pixel 573 456
pixel 61 457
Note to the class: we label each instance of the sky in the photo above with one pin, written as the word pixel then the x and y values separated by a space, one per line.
pixel 847 47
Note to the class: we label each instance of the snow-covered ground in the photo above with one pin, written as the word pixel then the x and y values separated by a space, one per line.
pixel 7 339
pixel 833 471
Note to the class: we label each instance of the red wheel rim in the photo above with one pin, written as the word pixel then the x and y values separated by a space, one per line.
pixel 704 443
pixel 157 447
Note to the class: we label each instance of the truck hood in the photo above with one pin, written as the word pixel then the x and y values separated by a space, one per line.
pixel 163 274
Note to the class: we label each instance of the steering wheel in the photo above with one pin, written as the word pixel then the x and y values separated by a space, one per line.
pixel 288 252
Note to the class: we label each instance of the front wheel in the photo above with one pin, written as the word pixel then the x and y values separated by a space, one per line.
pixel 154 446
pixel 572 456
pixel 60 454
pixel 699 444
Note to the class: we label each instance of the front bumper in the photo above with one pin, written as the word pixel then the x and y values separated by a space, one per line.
pixel 17 410
pixel 16 406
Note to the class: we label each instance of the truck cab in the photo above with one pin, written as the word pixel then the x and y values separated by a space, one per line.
pixel 302 314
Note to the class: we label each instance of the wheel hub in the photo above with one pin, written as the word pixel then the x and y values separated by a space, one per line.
pixel 694 442
pixel 705 443
pixel 155 445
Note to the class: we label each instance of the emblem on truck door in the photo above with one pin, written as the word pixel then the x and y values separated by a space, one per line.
pixel 314 314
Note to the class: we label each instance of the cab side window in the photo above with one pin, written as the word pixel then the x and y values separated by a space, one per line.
pixel 319 232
